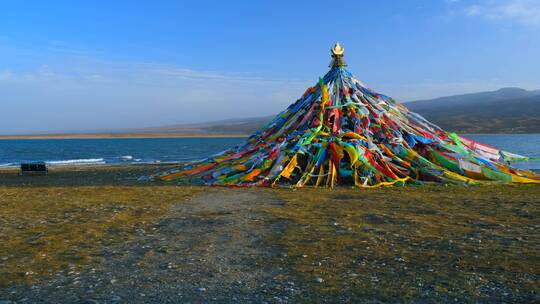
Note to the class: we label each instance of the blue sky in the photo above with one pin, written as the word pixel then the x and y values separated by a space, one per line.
pixel 95 65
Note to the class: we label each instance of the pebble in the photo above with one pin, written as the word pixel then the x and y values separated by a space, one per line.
pixel 116 298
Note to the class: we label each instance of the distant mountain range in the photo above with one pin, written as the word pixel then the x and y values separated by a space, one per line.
pixel 508 110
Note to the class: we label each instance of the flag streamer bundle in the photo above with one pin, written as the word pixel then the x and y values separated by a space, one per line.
pixel 342 133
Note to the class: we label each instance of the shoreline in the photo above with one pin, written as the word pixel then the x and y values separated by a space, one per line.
pixel 89 167
pixel 116 166
pixel 84 175
pixel 103 174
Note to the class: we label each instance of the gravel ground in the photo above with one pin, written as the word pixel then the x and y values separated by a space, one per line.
pixel 225 245
pixel 210 249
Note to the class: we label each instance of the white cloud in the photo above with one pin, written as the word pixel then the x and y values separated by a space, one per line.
pixel 472 10
pixel 86 93
pixel 525 12
pixel 5 75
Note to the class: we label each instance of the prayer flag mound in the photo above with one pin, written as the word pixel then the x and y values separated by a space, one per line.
pixel 342 133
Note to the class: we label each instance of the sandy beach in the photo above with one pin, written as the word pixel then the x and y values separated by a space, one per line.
pixel 94 234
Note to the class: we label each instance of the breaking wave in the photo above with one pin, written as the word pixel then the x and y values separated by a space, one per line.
pixel 86 161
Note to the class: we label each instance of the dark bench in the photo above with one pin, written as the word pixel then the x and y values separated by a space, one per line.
pixel 34 168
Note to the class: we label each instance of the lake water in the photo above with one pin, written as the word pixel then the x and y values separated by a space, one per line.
pixel 165 150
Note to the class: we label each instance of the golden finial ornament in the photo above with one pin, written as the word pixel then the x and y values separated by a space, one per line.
pixel 337 56
pixel 337 50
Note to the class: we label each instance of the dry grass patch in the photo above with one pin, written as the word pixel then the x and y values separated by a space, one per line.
pixel 415 242
pixel 43 230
